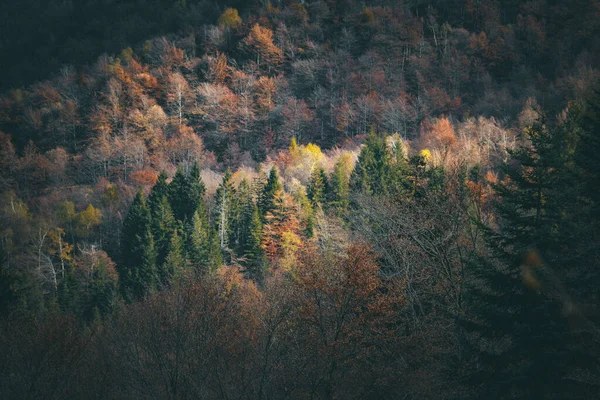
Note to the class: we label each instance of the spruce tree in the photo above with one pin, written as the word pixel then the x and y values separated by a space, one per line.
pixel 371 174
pixel 197 188
pixel 253 252
pixel 199 242
pixel 267 195
pixel 241 215
pixel 318 186
pixel 223 208
pixel 518 295
pixel 159 190
pixel 185 194
pixel 339 192
pixel 163 226
pixel 175 264
pixel 133 243
pixel 146 276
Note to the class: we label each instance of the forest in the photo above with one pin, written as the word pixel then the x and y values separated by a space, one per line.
pixel 309 199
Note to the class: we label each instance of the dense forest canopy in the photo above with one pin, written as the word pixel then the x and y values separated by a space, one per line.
pixel 300 199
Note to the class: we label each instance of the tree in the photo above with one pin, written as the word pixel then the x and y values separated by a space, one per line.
pixel 223 208
pixel 159 190
pixel 252 250
pixel 185 193
pixel 259 43
pixel 135 247
pixel 230 18
pixel 372 171
pixel 318 187
pixel 267 195
pixel 163 227
pixel 175 264
pixel 199 241
pixel 146 275
pixel 282 232
pixel 521 292
pixel 339 188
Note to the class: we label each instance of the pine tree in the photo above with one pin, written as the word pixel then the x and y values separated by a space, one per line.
pixel 133 243
pixel 267 195
pixel 318 187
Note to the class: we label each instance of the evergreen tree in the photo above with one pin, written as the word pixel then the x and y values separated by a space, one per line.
pixel 199 242
pixel 159 190
pixel 339 193
pixel 241 215
pixel 223 208
pixel 519 295
pixel 198 189
pixel 267 195
pixel 175 263
pixel 134 243
pixel 163 226
pixel 146 277
pixel 215 257
pixel 318 187
pixel 253 252
pixel 371 174
pixel 185 194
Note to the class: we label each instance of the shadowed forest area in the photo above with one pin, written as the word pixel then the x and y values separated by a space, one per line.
pixel 329 199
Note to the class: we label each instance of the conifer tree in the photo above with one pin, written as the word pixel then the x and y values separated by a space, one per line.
pixel 267 195
pixel 198 189
pixel 253 252
pixel 223 208
pixel 215 257
pixel 241 215
pixel 339 192
pixel 518 296
pixel 199 242
pixel 175 263
pixel 185 193
pixel 159 190
pixel 318 186
pixel 146 277
pixel 371 174
pixel 133 242
pixel 163 226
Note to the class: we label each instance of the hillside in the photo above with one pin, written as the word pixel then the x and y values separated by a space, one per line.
pixel 315 199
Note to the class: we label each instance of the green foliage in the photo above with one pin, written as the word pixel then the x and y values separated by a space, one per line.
pixel 175 264
pixel 137 251
pixel 318 187
pixel 266 197
pixel 371 174
pixel 223 210
pixel 255 261
pixel 339 192
pixel 146 274
pixel 519 297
